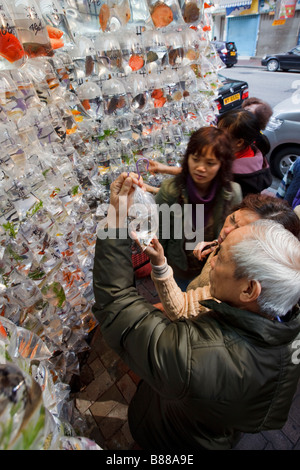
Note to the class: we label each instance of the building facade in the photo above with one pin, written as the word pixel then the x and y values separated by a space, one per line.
pixel 250 24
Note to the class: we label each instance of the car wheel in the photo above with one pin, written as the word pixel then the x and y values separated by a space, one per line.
pixel 283 159
pixel 229 66
pixel 273 65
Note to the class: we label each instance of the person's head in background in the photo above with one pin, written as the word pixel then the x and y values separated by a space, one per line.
pixel 243 127
pixel 261 206
pixel 260 108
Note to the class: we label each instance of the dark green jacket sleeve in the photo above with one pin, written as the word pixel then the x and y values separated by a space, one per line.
pixel 154 348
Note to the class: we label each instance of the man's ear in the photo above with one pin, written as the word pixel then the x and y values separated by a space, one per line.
pixel 250 291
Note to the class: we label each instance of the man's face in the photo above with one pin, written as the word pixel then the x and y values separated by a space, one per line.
pixel 223 285
pixel 237 219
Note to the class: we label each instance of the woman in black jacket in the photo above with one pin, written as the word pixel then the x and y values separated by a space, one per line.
pixel 250 167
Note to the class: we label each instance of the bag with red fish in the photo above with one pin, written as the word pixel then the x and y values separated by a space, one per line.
pixel 58 27
pixel 133 55
pixel 12 54
pixel 165 13
pixel 90 96
pixel 31 28
pixel 157 94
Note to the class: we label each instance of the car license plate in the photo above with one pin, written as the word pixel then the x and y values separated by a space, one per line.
pixel 232 98
pixel 232 53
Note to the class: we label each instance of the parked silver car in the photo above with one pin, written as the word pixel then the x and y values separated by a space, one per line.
pixel 283 132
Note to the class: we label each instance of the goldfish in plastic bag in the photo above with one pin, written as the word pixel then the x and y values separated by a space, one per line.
pixel 10 47
pixel 161 15
pixel 115 16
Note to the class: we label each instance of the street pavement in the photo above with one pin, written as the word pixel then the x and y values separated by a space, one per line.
pixel 248 62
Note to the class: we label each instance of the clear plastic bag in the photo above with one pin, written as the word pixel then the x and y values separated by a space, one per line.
pixel 12 54
pixel 143 217
pixel 114 14
pixel 192 10
pixel 77 443
pixel 31 28
pixel 22 415
pixel 57 24
pixel 165 13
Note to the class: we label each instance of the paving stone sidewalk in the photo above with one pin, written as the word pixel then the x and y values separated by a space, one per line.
pixel 249 62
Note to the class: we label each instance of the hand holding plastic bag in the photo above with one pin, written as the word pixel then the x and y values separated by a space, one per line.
pixel 143 216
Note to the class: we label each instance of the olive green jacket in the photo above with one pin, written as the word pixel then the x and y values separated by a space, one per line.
pixel 174 247
pixel 204 379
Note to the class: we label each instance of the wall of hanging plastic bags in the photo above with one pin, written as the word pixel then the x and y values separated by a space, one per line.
pixel 87 88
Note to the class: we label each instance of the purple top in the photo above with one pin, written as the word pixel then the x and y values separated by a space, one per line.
pixel 207 200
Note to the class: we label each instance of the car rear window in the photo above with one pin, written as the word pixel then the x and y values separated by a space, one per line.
pixel 218 44
pixel 231 46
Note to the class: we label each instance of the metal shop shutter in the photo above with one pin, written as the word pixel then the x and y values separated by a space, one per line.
pixel 243 31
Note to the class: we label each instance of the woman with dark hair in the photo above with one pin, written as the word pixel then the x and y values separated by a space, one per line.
pixel 250 168
pixel 260 108
pixel 205 179
pixel 263 112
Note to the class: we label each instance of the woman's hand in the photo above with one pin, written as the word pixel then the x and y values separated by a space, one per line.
pixel 203 249
pixel 151 189
pixel 157 167
pixel 155 250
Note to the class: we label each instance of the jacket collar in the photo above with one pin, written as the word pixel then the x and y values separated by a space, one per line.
pixel 256 327
pixel 225 194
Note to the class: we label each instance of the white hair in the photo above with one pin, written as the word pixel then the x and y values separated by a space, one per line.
pixel 270 254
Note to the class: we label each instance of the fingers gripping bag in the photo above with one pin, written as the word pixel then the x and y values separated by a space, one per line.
pixel 143 217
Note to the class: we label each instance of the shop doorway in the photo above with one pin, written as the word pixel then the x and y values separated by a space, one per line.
pixel 243 31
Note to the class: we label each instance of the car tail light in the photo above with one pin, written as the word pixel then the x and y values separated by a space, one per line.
pixel 224 51
pixel 245 94
pixel 219 106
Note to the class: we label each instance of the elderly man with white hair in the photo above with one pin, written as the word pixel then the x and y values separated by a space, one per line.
pixel 231 370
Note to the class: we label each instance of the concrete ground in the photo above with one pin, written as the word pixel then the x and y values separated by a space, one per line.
pixel 244 61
